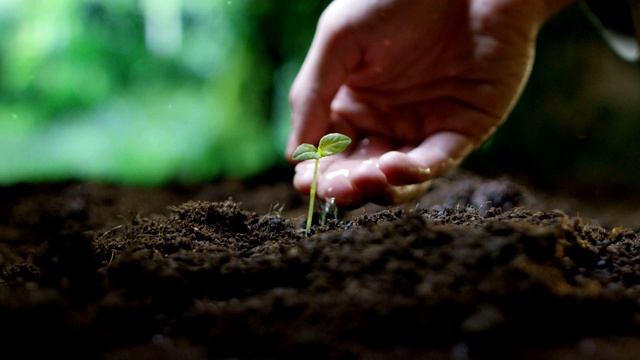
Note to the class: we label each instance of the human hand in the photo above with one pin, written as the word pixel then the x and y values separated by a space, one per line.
pixel 416 85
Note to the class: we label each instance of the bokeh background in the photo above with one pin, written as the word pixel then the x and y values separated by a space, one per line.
pixel 148 92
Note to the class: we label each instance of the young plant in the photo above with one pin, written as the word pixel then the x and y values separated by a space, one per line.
pixel 330 144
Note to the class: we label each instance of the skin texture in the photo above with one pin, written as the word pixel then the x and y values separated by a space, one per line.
pixel 417 85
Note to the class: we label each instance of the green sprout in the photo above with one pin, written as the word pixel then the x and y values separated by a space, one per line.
pixel 330 144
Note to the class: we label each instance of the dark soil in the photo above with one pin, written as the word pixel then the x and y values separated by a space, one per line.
pixel 480 268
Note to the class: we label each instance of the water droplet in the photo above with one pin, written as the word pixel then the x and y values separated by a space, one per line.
pixel 326 207
pixel 363 147
pixel 333 174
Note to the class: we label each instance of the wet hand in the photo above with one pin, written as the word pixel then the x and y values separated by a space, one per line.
pixel 416 85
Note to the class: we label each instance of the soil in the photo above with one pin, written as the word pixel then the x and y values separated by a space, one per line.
pixel 480 268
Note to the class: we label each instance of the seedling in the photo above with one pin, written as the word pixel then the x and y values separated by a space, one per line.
pixel 330 144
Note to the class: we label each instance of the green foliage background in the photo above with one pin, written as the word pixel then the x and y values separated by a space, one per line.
pixel 90 90
pixel 148 92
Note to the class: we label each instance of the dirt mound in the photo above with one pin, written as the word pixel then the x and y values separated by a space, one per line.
pixel 477 273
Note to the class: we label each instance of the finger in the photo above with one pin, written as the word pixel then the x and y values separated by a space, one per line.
pixel 353 183
pixel 373 186
pixel 351 177
pixel 335 184
pixel 432 158
pixel 333 180
pixel 370 182
pixel 332 56
pixel 354 177
pixel 303 176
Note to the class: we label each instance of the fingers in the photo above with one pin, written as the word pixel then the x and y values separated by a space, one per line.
pixel 352 178
pixel 434 157
pixel 333 54
pixel 372 186
pixel 372 173
pixel 334 181
pixel 353 183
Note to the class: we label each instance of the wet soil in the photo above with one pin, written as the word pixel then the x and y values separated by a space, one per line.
pixel 479 268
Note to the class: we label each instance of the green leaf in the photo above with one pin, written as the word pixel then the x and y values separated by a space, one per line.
pixel 306 152
pixel 333 143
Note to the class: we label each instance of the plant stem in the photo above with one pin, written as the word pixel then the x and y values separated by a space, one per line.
pixel 313 196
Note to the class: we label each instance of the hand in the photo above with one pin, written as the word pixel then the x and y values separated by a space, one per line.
pixel 417 85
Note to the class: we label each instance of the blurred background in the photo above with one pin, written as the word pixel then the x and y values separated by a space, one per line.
pixel 147 92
